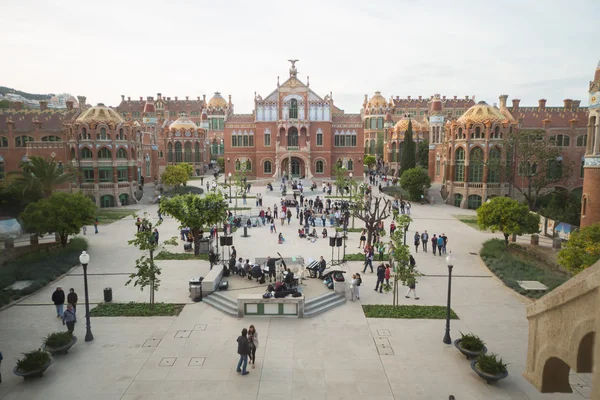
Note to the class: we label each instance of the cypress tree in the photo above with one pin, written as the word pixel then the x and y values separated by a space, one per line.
pixel 408 151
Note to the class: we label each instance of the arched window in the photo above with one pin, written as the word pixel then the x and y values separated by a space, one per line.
pixel 292 139
pixel 581 140
pixel 84 134
pixel 294 110
pixel 170 152
pixel 73 156
pixel 459 158
pixel 494 165
pixel 121 153
pixel 477 134
pixel 267 167
pixel 21 141
pixel 104 153
pixel 197 152
pixel 178 152
pixel 460 133
pixel 238 165
pixel 394 154
pixel 555 170
pixel 51 138
pixel 188 152
pixel 339 163
pixel 248 165
pixel 102 135
pixel 350 166
pixel 474 202
pixel 583 206
pixel 3 141
pixel 319 167
pixel 561 140
pixel 372 147
pixel 496 134
pixel 476 165
pixel 121 135
pixel 86 153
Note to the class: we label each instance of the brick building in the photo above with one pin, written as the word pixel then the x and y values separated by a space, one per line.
pixel 293 131
pixel 590 201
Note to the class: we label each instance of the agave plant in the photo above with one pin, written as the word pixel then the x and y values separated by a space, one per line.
pixel 471 342
pixel 33 361
pixel 490 364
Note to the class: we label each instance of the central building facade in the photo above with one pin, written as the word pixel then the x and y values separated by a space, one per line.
pixel 293 132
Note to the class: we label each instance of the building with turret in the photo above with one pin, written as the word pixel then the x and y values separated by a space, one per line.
pixel 590 201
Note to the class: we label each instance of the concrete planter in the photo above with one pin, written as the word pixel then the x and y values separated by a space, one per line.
pixel 468 353
pixel 38 373
pixel 487 377
pixel 60 350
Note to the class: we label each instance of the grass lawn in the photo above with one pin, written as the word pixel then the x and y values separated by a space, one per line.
pixel 361 257
pixel 394 191
pixel 407 312
pixel 167 255
pixel 470 220
pixel 136 310
pixel 350 230
pixel 110 215
pixel 183 190
pixel 41 267
pixel 239 208
pixel 516 265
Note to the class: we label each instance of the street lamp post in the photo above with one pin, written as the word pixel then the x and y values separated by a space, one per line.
pixel 229 186
pixel 351 185
pixel 84 259
pixel 450 262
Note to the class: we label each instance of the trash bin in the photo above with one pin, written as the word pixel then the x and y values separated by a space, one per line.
pixel 196 288
pixel 245 231
pixel 107 295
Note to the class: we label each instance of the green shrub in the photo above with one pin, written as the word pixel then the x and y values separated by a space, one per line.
pixel 471 342
pixel 33 361
pixel 350 230
pixel 134 309
pixel 167 255
pixel 109 215
pixel 407 312
pixel 58 339
pixel 490 364
pixel 361 257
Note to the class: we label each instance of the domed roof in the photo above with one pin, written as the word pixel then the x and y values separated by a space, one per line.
pixel 217 101
pixel 377 101
pixel 183 122
pixel 100 114
pixel 402 125
pixel 481 112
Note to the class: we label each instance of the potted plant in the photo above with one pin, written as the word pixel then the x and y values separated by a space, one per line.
pixel 489 368
pixel 33 364
pixel 470 345
pixel 59 342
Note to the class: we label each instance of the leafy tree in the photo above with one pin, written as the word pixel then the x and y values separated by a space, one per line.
pixel 175 175
pixel 539 163
pixel 188 168
pixel 147 270
pixel 196 212
pixel 409 151
pixel 561 205
pixel 507 216
pixel 415 181
pixel 581 250
pixel 61 213
pixel 423 153
pixel 41 177
pixel 370 161
pixel 404 273
pixel 341 182
pixel 221 163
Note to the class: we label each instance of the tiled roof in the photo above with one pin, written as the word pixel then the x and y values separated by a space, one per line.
pixel 533 117
pixel 52 120
pixel 169 105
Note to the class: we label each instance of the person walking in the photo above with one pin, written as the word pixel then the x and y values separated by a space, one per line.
pixel 425 240
pixel 160 218
pixel 388 274
pixel 72 298
pixel 1 357
pixel 434 243
pixel 445 238
pixel 58 298
pixel 412 286
pixel 392 228
pixel 440 244
pixel 380 278
pixel 289 215
pixel 408 206
pixel 96 222
pixel 381 250
pixel 363 239
pixel 417 241
pixel 253 342
pixel 155 236
pixel 243 351
pixel 69 318
pixel 368 259
pixel 275 211
pixel 358 283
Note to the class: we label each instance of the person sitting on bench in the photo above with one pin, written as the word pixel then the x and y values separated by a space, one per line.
pixel 322 266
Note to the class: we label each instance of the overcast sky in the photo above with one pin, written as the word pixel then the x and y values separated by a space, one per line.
pixel 524 48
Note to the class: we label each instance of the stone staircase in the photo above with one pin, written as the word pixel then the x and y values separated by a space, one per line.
pixel 312 307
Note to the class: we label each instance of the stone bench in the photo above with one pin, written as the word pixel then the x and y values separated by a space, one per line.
pixel 254 304
pixel 212 279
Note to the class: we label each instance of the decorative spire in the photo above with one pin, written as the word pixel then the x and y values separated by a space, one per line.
pixel 293 70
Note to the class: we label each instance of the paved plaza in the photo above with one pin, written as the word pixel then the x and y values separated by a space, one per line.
pixel 331 356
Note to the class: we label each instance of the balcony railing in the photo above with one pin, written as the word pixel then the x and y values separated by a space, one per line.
pixel 293 148
pixel 124 184
pixel 88 185
pixel 476 185
pixel 106 186
pixel 493 185
pixel 458 184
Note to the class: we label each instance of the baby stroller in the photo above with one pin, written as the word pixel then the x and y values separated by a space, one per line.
pixel 333 276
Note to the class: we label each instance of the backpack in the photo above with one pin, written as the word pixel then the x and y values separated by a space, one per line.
pixel 359 282
pixel 267 295
pixel 440 241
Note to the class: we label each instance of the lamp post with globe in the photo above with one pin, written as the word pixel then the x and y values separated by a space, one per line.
pixel 84 259
pixel 450 262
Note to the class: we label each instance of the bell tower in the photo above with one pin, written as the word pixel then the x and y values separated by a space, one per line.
pixel 436 133
pixel 590 201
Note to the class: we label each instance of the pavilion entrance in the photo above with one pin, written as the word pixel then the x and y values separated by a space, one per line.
pixel 296 168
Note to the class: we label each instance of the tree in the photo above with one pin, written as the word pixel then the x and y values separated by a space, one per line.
pixel 371 210
pixel 175 175
pixel 61 213
pixel 507 216
pixel 539 163
pixel 581 250
pixel 404 273
pixel 41 177
pixel 188 168
pixel 369 161
pixel 415 181
pixel 561 205
pixel 423 153
pixel 196 212
pixel 147 270
pixel 409 151
pixel 221 163
pixel 341 182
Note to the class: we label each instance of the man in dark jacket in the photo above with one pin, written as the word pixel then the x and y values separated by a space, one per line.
pixel 322 266
pixel 72 298
pixel 243 351
pixel 58 298
pixel 272 268
pixel 380 278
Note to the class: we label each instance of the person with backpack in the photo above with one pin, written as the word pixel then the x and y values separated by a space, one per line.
pixel 440 244
pixel 380 278
pixel 243 351
pixel 425 240
pixel 417 241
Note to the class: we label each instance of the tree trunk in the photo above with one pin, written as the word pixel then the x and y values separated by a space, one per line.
pixel 506 239
pixel 63 240
pixel 196 233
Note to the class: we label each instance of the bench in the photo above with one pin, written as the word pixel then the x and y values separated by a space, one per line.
pixel 254 304
pixel 212 279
